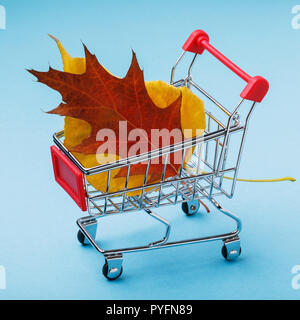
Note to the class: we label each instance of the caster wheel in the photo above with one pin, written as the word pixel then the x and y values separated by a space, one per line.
pixel 190 208
pixel 81 238
pixel 232 255
pixel 111 275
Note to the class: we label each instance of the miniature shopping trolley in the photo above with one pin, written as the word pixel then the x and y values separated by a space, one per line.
pixel 210 172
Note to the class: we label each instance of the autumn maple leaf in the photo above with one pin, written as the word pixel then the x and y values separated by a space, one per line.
pixel 103 100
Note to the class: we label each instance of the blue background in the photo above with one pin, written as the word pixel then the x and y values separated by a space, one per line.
pixel 38 245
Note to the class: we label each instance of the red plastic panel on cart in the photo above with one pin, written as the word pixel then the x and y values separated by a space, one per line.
pixel 69 177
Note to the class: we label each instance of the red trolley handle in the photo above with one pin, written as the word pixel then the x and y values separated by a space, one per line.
pixel 256 88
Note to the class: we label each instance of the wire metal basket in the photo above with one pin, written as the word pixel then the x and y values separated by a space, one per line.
pixel 215 159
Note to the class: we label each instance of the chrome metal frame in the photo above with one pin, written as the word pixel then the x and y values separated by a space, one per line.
pixel 201 178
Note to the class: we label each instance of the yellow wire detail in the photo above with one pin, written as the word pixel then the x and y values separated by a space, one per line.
pixel 249 180
pixel 264 180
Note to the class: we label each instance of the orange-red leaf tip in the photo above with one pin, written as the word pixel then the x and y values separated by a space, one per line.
pixel 33 72
pixel 86 50
pixel 54 38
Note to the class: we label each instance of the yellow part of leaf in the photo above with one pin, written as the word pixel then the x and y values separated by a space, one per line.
pixel 71 65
